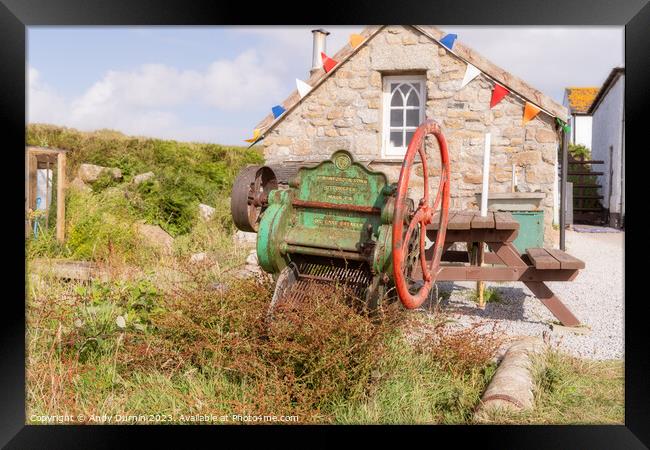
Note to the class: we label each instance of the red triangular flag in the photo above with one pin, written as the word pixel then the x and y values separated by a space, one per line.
pixel 328 63
pixel 497 94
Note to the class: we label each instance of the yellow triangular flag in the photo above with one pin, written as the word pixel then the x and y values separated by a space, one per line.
pixel 530 111
pixel 356 40
pixel 256 135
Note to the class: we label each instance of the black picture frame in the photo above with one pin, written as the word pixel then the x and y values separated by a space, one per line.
pixel 16 15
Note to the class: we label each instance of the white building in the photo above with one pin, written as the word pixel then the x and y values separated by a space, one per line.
pixel 608 143
pixel 578 100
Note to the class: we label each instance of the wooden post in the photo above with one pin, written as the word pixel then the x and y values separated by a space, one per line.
pixel 480 285
pixel 33 166
pixel 60 196
pixel 565 170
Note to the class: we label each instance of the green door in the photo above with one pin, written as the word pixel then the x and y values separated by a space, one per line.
pixel 531 229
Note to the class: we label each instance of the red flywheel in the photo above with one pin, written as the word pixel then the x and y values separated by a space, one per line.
pixel 424 214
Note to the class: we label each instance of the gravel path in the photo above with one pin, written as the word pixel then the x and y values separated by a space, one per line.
pixel 595 297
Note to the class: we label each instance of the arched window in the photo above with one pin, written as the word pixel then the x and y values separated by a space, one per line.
pixel 404 103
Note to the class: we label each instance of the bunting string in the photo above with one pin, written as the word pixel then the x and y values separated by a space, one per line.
pixel 499 92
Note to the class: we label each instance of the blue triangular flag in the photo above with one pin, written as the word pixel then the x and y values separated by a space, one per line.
pixel 448 40
pixel 277 111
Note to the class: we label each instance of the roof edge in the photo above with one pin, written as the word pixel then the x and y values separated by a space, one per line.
pixel 316 79
pixel 613 76
pixel 513 83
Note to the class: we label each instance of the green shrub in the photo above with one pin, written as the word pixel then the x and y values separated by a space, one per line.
pixel 186 174
pixel 579 151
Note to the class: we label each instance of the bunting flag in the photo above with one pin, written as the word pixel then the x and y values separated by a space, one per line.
pixel 470 73
pixel 277 111
pixel 448 40
pixel 303 88
pixel 356 40
pixel 328 63
pixel 256 135
pixel 497 94
pixel 565 126
pixel 530 111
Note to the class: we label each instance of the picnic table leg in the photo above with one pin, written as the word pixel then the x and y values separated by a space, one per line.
pixel 480 285
pixel 553 303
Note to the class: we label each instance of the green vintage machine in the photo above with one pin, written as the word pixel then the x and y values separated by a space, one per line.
pixel 334 224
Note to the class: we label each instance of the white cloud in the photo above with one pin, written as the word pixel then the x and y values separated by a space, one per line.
pixel 549 58
pixel 289 48
pixel 236 84
pixel 144 101
pixel 149 99
pixel 45 105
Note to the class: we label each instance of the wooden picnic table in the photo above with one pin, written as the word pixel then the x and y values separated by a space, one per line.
pixel 503 262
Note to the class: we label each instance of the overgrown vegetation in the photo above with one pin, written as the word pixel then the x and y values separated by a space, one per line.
pixel 128 348
pixel 186 174
pixel 570 390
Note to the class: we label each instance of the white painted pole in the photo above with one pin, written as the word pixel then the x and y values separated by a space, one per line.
pixel 486 175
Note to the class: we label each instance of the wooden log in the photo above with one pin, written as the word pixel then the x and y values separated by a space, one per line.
pixel 512 385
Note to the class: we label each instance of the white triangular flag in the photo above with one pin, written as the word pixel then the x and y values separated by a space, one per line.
pixel 303 88
pixel 470 73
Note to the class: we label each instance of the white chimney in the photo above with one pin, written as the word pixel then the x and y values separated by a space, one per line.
pixel 319 46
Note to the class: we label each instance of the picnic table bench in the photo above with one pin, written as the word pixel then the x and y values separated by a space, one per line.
pixel 503 262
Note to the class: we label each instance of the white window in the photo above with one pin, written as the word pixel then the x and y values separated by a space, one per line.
pixel 404 102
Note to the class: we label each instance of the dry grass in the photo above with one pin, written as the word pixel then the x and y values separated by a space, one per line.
pixel 187 349
pixel 571 390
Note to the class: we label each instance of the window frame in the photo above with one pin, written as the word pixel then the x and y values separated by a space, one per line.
pixel 388 151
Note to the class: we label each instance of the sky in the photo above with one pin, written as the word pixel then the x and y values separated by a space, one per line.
pixel 214 84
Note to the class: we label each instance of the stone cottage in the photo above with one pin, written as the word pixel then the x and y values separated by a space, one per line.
pixel 382 89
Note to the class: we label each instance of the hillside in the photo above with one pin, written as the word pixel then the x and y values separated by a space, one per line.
pixel 185 175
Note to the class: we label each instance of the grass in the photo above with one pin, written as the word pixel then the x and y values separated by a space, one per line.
pixel 186 350
pixel 490 295
pixel 570 390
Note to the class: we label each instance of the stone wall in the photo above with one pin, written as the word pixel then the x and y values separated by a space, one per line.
pixel 345 112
